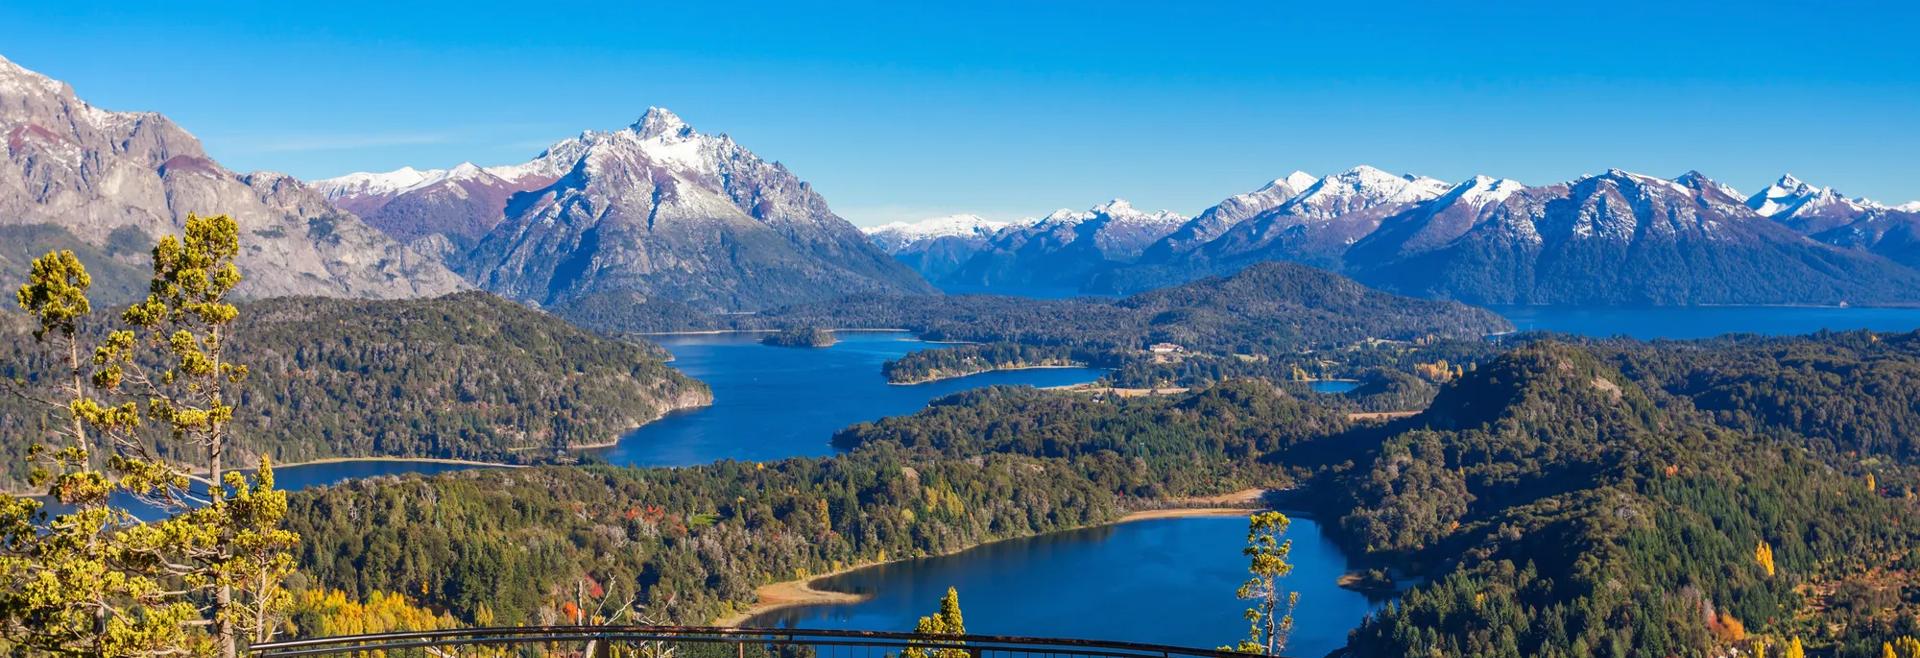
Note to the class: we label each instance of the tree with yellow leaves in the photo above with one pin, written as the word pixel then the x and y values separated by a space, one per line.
pixel 947 621
pixel 1763 554
pixel 96 580
pixel 1794 650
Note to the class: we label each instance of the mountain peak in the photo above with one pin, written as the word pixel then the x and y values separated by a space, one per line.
pixel 1299 180
pixel 1483 190
pixel 1695 180
pixel 660 122
pixel 17 79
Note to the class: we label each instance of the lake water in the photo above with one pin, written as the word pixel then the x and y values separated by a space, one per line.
pixel 777 402
pixel 1681 322
pixel 769 403
pixel 1165 581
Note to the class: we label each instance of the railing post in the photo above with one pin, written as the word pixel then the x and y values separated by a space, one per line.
pixel 741 648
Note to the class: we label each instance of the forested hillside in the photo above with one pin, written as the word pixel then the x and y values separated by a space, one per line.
pixel 1550 503
pixel 467 376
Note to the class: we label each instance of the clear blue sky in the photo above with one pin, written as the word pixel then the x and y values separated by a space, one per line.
pixel 898 110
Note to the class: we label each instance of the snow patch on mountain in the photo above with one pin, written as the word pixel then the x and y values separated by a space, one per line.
pixel 1791 197
pixel 1483 190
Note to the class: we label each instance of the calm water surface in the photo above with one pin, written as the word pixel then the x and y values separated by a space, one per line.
pixel 777 402
pixel 769 403
pixel 1166 581
pixel 1683 322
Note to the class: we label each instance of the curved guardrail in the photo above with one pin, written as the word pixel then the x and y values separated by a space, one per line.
pixel 666 641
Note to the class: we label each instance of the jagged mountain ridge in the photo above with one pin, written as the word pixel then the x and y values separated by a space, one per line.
pixel 1828 216
pixel 661 210
pixel 115 181
pixel 1064 248
pixel 1612 238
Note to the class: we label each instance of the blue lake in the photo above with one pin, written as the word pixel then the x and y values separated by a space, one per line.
pixel 1164 581
pixel 1682 322
pixel 777 402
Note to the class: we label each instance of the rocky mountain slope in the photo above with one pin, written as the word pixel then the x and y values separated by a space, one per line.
pixel 1057 251
pixel 939 246
pixel 1624 238
pixel 1611 238
pixel 656 210
pixel 111 182
pixel 1828 216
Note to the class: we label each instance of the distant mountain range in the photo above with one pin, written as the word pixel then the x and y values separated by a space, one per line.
pixel 659 212
pixel 109 183
pixel 1611 238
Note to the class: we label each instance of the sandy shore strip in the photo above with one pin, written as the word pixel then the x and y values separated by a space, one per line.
pixel 801 591
pixel 795 593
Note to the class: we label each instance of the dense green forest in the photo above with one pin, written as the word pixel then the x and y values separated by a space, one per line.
pixel 1562 498
pixel 800 337
pixel 463 376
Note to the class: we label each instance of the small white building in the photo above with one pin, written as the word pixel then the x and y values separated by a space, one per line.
pixel 1166 348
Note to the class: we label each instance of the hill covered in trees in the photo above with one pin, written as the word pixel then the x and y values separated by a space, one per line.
pixel 467 375
pixel 1559 499
pixel 1226 325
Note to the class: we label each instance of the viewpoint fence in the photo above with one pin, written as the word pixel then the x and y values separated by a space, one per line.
pixel 713 642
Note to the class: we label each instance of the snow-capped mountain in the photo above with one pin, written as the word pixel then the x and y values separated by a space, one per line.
pixel 1825 215
pixel 939 246
pixel 114 181
pixel 1808 208
pixel 1055 251
pixel 1626 238
pixel 447 211
pixel 1430 225
pixel 1317 225
pixel 1214 221
pixel 1360 188
pixel 661 210
pixel 897 237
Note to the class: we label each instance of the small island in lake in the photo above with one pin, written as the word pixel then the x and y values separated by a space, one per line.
pixel 800 337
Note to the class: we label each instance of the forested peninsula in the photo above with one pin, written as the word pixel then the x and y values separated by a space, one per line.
pixel 465 376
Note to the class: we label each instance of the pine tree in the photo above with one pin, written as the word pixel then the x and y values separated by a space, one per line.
pixel 84 582
pixel 96 581
pixel 242 554
pixel 1270 620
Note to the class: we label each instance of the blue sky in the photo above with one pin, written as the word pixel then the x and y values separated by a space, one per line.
pixel 899 110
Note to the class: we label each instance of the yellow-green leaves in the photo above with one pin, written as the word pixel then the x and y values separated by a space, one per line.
pixel 1270 620
pixel 56 293
pixel 947 621
pixel 96 581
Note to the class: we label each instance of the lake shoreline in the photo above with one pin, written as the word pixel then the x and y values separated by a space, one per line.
pixel 799 592
pixel 717 332
pixel 945 377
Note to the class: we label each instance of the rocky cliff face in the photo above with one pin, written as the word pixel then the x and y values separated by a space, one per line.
pixel 117 180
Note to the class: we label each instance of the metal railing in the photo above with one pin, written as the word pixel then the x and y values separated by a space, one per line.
pixel 715 642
